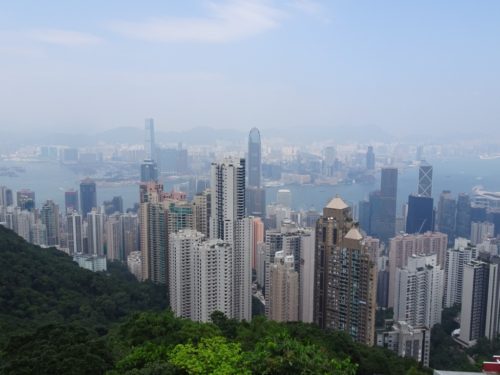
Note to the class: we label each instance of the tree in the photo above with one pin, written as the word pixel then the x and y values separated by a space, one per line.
pixel 211 356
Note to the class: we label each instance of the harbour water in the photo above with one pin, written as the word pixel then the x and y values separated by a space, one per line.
pixel 50 180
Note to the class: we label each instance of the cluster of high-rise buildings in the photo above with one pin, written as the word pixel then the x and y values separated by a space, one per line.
pixel 226 245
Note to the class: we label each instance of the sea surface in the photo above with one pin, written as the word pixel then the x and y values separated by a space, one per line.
pixel 49 181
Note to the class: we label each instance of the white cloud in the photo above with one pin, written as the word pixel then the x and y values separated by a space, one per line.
pixel 64 37
pixel 308 6
pixel 312 8
pixel 228 21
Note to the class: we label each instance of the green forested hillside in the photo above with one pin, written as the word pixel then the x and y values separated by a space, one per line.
pixel 43 286
pixel 56 318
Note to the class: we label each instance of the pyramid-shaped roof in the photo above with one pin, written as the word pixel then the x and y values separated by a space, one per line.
pixel 354 234
pixel 337 204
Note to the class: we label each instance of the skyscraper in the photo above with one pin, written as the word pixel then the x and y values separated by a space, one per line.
pixel 153 233
pixel 70 201
pixel 227 197
pixel 50 218
pixel 345 276
pixel 5 196
pixel 95 232
pixel 474 301
pixel 463 220
pixel 284 197
pixel 456 258
pixel 283 289
pixel 403 247
pixel 418 296
pixel 88 196
pixel 383 206
pixel 255 195
pixel 228 223
pixel 254 158
pixel 213 284
pixel 74 227
pixel 149 168
pixel 481 231
pixel 425 179
pixel 202 212
pixel 182 246
pixel 130 231
pixel 420 218
pixel 370 159
pixel 114 238
pixel 26 199
pixel 149 141
pixel 446 215
pixel 149 171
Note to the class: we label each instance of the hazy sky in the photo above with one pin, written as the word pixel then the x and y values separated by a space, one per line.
pixel 405 66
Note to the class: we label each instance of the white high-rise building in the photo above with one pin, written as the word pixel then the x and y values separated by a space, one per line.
pixel 456 258
pixel 212 284
pixel 407 341
pixel 183 245
pixel 283 289
pixel 299 243
pixel 227 197
pixel 228 223
pixel 95 232
pixel 480 231
pixel 418 297
pixel 24 224
pixel 284 198
pixel 403 246
pixel 75 233
pixel 114 237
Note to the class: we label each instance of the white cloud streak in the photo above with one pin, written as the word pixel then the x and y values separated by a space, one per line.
pixel 226 22
pixel 64 37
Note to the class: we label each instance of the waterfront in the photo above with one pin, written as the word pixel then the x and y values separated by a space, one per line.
pixel 49 181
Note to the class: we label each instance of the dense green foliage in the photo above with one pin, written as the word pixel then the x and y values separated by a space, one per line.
pixel 44 286
pixel 56 318
pixel 445 352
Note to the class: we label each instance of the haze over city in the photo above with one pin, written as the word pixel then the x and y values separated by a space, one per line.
pixel 405 68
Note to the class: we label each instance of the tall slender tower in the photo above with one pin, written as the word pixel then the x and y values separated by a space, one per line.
pixel 256 195
pixel 284 289
pixel 88 196
pixel 74 227
pixel 50 218
pixel 153 232
pixel 149 141
pixel 227 198
pixel 425 179
pixel 370 158
pixel 149 168
pixel 95 232
pixel 70 201
pixel 383 206
pixel 228 223
pixel 446 215
pixel 254 158
pixel 345 276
